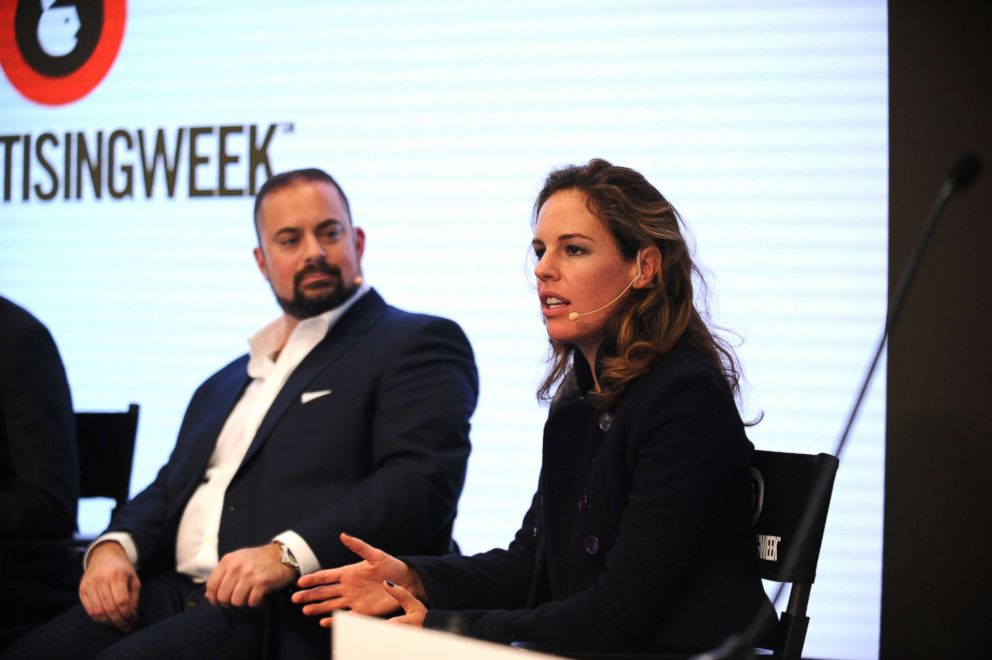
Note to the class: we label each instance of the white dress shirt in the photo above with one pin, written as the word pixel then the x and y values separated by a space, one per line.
pixel 273 356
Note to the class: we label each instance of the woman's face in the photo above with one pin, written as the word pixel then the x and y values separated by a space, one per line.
pixel 579 269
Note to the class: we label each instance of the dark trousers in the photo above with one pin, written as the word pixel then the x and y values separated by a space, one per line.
pixel 38 580
pixel 174 621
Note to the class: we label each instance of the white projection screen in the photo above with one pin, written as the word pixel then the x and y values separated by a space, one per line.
pixel 764 122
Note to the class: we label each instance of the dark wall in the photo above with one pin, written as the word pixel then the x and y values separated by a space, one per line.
pixel 937 557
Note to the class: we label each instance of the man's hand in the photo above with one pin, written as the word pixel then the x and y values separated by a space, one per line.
pixel 357 587
pixel 110 586
pixel 247 576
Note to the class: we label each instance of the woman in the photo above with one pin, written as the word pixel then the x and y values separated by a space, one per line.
pixel 640 528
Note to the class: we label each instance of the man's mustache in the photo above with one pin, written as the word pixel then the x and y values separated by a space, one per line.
pixel 317 267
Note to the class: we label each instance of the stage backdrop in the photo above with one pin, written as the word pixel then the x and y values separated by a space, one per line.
pixel 133 136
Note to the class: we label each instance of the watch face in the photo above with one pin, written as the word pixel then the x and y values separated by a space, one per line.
pixel 287 558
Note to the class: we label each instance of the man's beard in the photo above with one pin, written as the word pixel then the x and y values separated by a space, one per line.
pixel 304 306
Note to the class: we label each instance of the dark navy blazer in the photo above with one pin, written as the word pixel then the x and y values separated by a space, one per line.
pixel 639 533
pixel 382 456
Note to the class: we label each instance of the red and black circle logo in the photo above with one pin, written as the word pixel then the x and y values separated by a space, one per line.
pixel 57 51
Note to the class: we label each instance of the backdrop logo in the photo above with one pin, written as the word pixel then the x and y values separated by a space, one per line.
pixel 57 51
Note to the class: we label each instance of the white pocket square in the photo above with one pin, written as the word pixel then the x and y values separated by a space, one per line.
pixel 307 397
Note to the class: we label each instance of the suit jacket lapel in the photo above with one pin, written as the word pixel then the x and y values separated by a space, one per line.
pixel 342 337
pixel 228 391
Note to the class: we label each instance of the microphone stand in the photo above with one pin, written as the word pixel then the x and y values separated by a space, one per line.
pixel 959 178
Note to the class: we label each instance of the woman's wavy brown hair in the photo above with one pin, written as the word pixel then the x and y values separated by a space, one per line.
pixel 650 321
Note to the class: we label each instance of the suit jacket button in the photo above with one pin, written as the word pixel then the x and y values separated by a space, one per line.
pixel 605 421
pixel 584 503
pixel 592 544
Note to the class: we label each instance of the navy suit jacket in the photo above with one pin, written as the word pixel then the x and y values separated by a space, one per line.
pixel 381 456
pixel 639 534
pixel 39 465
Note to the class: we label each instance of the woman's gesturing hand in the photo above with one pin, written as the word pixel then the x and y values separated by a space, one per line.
pixel 358 587
pixel 414 611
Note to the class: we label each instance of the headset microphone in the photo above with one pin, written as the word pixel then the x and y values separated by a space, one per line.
pixel 358 280
pixel 573 316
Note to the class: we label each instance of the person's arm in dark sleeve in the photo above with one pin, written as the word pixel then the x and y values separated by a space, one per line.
pixel 40 494
pixel 152 516
pixel 499 578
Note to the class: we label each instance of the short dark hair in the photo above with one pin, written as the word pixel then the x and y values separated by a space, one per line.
pixel 286 179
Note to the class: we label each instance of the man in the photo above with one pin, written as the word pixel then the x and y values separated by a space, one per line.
pixel 39 474
pixel 347 415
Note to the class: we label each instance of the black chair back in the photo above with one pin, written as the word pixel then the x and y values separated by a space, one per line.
pixel 783 484
pixel 106 453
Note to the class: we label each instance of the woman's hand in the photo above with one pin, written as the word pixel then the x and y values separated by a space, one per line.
pixel 358 587
pixel 414 611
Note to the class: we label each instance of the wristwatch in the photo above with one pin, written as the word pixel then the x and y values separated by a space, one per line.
pixel 287 558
